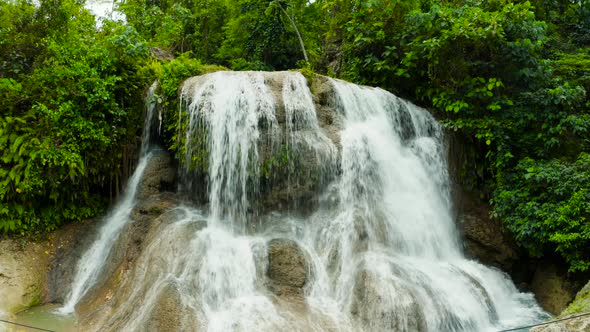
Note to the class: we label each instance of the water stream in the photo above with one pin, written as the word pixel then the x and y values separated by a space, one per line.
pixel 380 243
pixel 93 260
pixel 391 237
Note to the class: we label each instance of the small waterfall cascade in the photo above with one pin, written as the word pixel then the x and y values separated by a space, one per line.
pixel 93 260
pixel 389 252
pixel 234 120
pixel 225 125
pixel 353 176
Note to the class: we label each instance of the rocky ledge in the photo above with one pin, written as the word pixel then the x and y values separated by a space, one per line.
pixel 576 317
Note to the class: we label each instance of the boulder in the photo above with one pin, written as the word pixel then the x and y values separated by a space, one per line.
pixel 168 313
pixel 161 54
pixel 552 288
pixel 287 267
pixel 486 239
pixel 284 183
pixel 572 321
pixel 22 275
pixel 375 309
pixel 581 303
pixel 159 175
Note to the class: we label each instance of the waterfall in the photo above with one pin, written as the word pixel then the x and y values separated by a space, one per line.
pixel 372 218
pixel 389 250
pixel 93 260
pixel 227 110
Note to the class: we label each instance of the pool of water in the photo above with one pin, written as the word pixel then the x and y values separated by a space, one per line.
pixel 44 317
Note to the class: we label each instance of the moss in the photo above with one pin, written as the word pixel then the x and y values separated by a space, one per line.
pixel 308 74
pixel 207 69
pixel 580 304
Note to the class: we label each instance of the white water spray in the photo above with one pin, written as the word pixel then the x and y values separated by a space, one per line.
pixel 390 251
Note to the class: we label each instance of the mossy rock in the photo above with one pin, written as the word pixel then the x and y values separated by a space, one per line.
pixel 580 304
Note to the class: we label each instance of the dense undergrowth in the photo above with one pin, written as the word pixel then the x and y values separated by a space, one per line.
pixel 511 77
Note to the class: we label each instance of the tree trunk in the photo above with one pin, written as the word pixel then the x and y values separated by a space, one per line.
pixel 296 30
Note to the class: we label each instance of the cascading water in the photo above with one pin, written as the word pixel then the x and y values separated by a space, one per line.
pixel 372 222
pixel 389 248
pixel 93 260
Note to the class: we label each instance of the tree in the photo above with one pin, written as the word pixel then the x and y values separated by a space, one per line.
pixel 71 104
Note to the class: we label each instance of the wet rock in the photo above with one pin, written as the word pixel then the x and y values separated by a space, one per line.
pixel 287 267
pixel 375 311
pixel 581 324
pixel 21 278
pixel 167 314
pixel 287 179
pixel 326 103
pixel 572 322
pixel 72 245
pixel 552 288
pixel 485 239
pixel 159 175
pixel 298 315
pixel 27 268
pixel 581 303
pixel 161 54
pixel 154 205
pixel 124 297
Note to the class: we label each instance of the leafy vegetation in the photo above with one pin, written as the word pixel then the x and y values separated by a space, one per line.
pixel 70 99
pixel 512 77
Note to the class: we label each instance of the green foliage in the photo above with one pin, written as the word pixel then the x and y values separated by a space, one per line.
pixel 71 103
pixel 308 74
pixel 547 205
pixel 170 76
pixel 258 37
pixel 370 48
pixel 244 34
pixel 180 26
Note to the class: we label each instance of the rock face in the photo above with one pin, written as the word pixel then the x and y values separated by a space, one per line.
pixel 581 303
pixel 294 145
pixel 159 175
pixel 22 275
pixel 486 239
pixel 572 322
pixel 374 311
pixel 552 288
pixel 24 266
pixel 106 307
pixel 287 267
pixel 167 313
